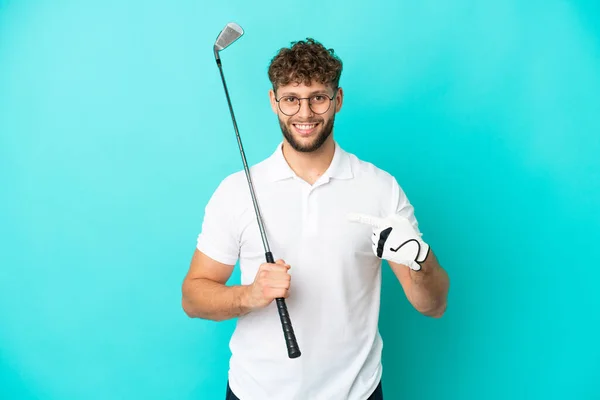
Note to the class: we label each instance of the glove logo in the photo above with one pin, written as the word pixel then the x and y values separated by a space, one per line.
pixel 382 238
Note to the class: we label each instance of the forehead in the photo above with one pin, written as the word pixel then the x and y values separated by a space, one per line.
pixel 301 89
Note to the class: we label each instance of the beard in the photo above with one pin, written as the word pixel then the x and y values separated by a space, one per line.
pixel 316 143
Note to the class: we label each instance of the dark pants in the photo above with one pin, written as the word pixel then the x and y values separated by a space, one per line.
pixel 377 394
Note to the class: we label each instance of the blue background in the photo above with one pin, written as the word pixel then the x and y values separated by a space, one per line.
pixel 114 131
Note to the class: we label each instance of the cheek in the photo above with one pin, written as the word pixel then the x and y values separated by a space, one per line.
pixel 284 121
pixel 326 119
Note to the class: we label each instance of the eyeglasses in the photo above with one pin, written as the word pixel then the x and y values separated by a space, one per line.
pixel 319 104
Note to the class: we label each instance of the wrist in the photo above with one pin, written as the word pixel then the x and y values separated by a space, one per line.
pixel 245 299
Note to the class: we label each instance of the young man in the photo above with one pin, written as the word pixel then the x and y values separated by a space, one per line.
pixel 330 219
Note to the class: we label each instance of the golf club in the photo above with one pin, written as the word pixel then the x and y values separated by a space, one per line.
pixel 228 35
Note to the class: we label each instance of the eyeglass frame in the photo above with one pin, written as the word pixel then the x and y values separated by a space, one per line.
pixel 309 105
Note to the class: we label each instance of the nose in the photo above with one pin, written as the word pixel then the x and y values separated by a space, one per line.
pixel 305 110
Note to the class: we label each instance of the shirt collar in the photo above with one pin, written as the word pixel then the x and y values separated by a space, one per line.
pixel 339 168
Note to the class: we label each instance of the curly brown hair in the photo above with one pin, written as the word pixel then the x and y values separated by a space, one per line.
pixel 305 62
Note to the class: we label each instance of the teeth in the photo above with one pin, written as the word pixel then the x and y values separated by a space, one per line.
pixel 304 127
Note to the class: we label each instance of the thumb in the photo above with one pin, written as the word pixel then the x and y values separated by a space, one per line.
pixel 373 221
pixel 282 262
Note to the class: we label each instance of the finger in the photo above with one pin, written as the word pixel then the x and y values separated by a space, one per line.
pixel 370 220
pixel 271 293
pixel 271 278
pixel 278 284
pixel 271 289
pixel 275 267
pixel 278 275
pixel 277 292
pixel 283 263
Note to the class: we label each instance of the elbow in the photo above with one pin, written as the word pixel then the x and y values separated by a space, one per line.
pixel 186 304
pixel 440 305
pixel 436 312
pixel 195 309
pixel 187 308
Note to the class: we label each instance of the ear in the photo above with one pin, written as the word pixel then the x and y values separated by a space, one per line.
pixel 339 99
pixel 273 102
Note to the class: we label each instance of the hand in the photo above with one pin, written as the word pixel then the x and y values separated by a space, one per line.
pixel 271 281
pixel 394 239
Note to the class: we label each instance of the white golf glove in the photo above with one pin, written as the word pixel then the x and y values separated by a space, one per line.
pixel 394 239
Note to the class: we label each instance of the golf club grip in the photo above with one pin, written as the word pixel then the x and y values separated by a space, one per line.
pixel 286 323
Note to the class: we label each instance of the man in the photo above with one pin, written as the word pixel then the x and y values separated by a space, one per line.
pixel 330 219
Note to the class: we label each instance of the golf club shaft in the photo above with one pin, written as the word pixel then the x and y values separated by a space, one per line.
pixel 286 323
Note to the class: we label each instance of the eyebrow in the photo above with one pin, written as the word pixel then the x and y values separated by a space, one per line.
pixel 323 91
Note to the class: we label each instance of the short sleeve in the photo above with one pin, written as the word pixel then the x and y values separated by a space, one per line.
pixel 218 238
pixel 402 206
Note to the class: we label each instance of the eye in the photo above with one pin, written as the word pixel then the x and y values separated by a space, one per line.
pixel 318 98
pixel 290 99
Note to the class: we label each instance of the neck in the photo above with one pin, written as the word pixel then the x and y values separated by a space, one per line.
pixel 310 166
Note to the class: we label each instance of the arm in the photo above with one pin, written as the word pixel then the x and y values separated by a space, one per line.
pixel 426 289
pixel 204 293
pixel 397 240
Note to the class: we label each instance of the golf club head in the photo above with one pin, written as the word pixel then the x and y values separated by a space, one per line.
pixel 228 35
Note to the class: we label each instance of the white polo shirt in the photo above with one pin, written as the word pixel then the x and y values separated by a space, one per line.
pixel 336 278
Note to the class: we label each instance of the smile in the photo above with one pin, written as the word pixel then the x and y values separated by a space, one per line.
pixel 305 129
